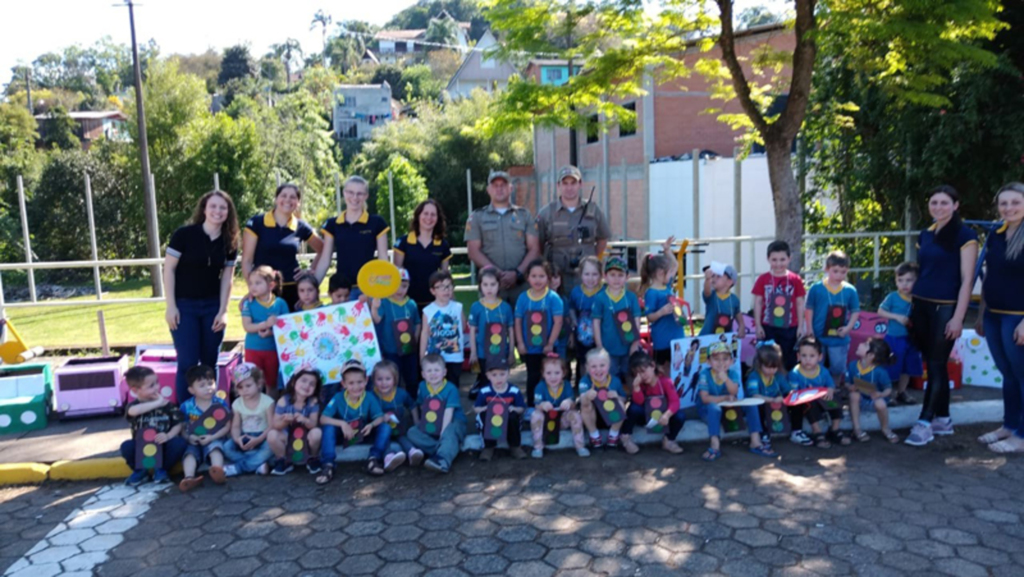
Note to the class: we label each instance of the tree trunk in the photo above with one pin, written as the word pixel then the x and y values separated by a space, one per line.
pixel 789 208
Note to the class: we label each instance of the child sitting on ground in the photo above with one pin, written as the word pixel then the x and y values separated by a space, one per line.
pixel 599 378
pixel 358 415
pixel 806 375
pixel 150 409
pixel 443 447
pixel 873 355
pixel 719 384
pixel 833 308
pixel 767 381
pixel 499 389
pixel 397 405
pixel 896 307
pixel 309 293
pixel 554 393
pixel 251 415
pixel 299 406
pixel 647 382
pixel 202 383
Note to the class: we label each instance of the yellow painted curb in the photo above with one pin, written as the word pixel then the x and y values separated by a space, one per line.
pixel 102 468
pixel 23 473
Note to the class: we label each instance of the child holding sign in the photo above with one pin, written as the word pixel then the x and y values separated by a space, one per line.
pixel 440 423
pixel 601 391
pixel 616 317
pixel 358 416
pixel 868 383
pixel 723 307
pixel 720 384
pixel 499 408
pixel 252 413
pixel 655 405
pixel 204 437
pixel 538 322
pixel 491 323
pixel 832 311
pixel 397 320
pixel 158 422
pixel 581 304
pixel 295 434
pixel 779 303
pixel 655 275
pixel 554 395
pixel 806 375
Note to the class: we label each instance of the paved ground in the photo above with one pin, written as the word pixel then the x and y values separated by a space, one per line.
pixel 873 509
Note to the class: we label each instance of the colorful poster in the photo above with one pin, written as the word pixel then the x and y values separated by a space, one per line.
pixel 690 357
pixel 979 368
pixel 323 339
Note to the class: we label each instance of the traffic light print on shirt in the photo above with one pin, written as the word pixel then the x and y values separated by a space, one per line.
pixel 403 336
pixel 495 343
pixel 148 453
pixel 611 409
pixel 552 431
pixel 432 410
pixel 655 408
pixel 624 324
pixel 298 445
pixel 496 421
pixel 780 304
pixel 536 328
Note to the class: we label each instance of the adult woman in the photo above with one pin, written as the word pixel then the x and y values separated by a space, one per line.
pixel 354 236
pixel 198 271
pixel 1002 322
pixel 273 239
pixel 947 255
pixel 425 250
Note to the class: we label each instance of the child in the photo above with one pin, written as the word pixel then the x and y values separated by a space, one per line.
pixel 806 375
pixel 665 328
pixel 151 409
pixel 718 384
pixel 442 326
pixel 581 303
pixel 767 382
pixel 498 387
pixel 442 449
pixel 647 382
pixel 599 377
pixel 309 293
pixel 555 284
pixel 299 405
pixel 538 322
pixel 340 288
pixel 397 320
pixel 251 415
pixel 722 307
pixel 554 393
pixel 896 307
pixel 356 413
pixel 491 323
pixel 202 384
pixel 832 311
pixel 873 354
pixel 616 336
pixel 259 314
pixel 397 406
pixel 779 303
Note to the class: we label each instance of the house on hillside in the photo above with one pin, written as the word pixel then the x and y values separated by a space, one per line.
pixel 480 71
pixel 91 125
pixel 396 44
pixel 359 108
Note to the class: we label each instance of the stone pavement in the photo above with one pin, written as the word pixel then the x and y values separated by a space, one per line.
pixel 870 509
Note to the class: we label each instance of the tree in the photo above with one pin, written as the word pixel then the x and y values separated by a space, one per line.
pixel 346 50
pixel 418 82
pixel 417 16
pixel 60 130
pixel 410 190
pixel 237 63
pixel 205 66
pixel 392 74
pixel 441 31
pixel 287 52
pixel 757 16
pixel 322 19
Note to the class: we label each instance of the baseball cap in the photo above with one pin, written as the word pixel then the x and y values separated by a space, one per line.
pixel 241 372
pixel 353 365
pixel 722 269
pixel 496 174
pixel 614 262
pixel 719 348
pixel 403 274
pixel 496 363
pixel 569 170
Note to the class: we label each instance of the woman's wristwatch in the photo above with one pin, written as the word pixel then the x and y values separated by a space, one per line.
pixel 520 279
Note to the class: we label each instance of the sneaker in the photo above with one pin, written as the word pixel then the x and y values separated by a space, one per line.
pixel 189 483
pixel 231 471
pixel 517 453
pixel 436 464
pixel 137 478
pixel 920 435
pixel 800 438
pixel 415 458
pixel 582 451
pixel 629 445
pixel 160 476
pixel 766 441
pixel 537 453
pixel 485 455
pixel 313 466
pixel 942 426
pixel 596 442
pixel 393 460
pixel 218 475
pixel 263 469
pixel 613 442
pixel 282 467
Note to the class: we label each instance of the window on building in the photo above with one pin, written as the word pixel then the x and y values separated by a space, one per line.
pixel 593 129
pixel 347 129
pixel 349 102
pixel 553 74
pixel 401 47
pixel 627 127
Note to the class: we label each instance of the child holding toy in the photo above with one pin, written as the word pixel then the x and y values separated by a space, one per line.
pixel 202 384
pixel 779 303
pixel 647 383
pixel 808 374
pixel 499 389
pixel 554 393
pixel 581 304
pixel 259 314
pixel 721 306
pixel 397 405
pixel 767 380
pixel 599 378
pixel 616 317
pixel 869 386
pixel 655 275
pixel 397 320
pixel 150 409
pixel 358 416
pixel 718 384
pixel 491 326
pixel 896 307
pixel 833 308
pixel 299 406
pixel 539 315
pixel 251 415
pixel 444 447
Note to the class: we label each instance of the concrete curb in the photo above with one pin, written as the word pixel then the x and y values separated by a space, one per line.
pixel 968 413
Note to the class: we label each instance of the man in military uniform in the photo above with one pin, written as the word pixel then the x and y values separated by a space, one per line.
pixel 503 236
pixel 570 229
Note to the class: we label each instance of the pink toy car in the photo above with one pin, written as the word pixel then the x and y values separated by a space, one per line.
pixel 89 386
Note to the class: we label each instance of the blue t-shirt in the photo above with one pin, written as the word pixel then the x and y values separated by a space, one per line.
pixel 550 303
pixel 481 316
pixel 940 268
pixel 1003 278
pixel 582 303
pixel 392 312
pixel 192 412
pixel 775 387
pixel 365 410
pixel 278 246
pixel 877 376
pixel 512 396
pixel 400 404
pixel 666 329
pixel 831 310
pixel 717 308
pixel 706 382
pixel 448 393
pixel 259 312
pixel 607 309
pixel 613 384
pixel 311 407
pixel 897 304
pixel 543 394
pixel 799 380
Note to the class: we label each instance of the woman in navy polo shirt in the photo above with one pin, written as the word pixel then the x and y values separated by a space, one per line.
pixel 198 271
pixel 947 253
pixel 273 239
pixel 424 251
pixel 1003 318
pixel 355 236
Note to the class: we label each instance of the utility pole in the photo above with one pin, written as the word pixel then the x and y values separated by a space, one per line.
pixel 152 228
pixel 570 25
pixel 28 90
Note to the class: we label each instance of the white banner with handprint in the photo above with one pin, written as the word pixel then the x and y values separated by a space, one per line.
pixel 323 339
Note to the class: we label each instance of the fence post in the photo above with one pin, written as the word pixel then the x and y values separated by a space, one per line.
pixel 92 236
pixel 697 300
pixel 337 190
pixel 877 259
pixel 277 176
pixel 391 194
pixel 26 239
pixel 909 246
pixel 469 213
pixel 737 211
pixel 625 202
pixel 216 181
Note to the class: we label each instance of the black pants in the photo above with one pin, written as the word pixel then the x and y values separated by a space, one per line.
pixel 408 371
pixel 636 416
pixel 453 373
pixel 515 434
pixel 581 363
pixel 534 373
pixel 785 337
pixel 815 411
pixel 928 322
pixel 290 294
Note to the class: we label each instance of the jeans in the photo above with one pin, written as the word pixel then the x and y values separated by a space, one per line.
pixel 447 447
pixel 929 320
pixel 837 356
pixel 620 368
pixel 712 415
pixel 514 435
pixel 1009 359
pixel 174 450
pixel 380 438
pixel 194 339
pixel 408 371
pixel 247 461
pixel 635 415
pixel 201 453
pixel 785 337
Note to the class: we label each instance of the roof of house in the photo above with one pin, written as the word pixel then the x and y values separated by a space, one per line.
pixel 400 34
pixel 486 41
pixel 90 115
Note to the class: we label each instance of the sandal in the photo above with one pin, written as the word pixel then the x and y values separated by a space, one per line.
pixel 891 437
pixel 374 467
pixel 711 455
pixel 763 451
pixel 995 436
pixel 838 438
pixel 325 476
pixel 862 436
pixel 821 441
pixel 1004 447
